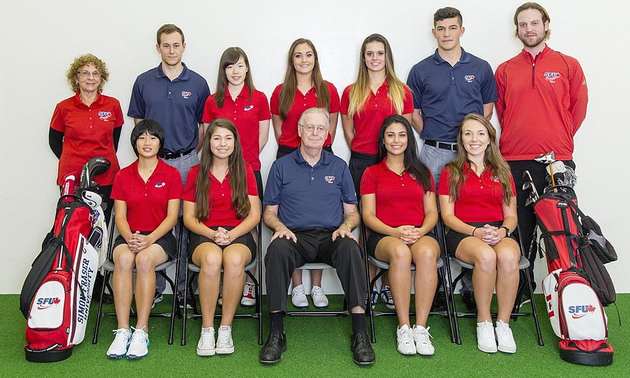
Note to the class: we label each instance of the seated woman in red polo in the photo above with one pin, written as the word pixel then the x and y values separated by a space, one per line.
pixel 221 208
pixel 400 209
pixel 146 204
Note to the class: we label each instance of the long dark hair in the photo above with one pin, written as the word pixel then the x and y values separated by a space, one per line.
pixel 412 163
pixel 289 86
pixel 236 166
pixel 230 56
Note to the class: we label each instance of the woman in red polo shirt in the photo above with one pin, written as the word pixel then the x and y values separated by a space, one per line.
pixel 87 125
pixel 221 208
pixel 236 99
pixel 375 95
pixel 400 209
pixel 146 195
pixel 303 88
pixel 478 204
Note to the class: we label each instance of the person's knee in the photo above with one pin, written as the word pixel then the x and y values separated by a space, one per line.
pixel 124 260
pixel 486 260
pixel 279 250
pixel 209 263
pixel 234 264
pixel 145 262
pixel 400 255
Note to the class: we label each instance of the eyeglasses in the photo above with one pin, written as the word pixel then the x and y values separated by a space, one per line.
pixel 314 128
pixel 86 74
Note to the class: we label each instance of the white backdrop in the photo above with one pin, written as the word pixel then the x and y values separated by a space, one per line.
pixel 43 38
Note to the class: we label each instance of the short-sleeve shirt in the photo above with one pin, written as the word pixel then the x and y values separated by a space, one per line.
pixel 310 197
pixel 88 131
pixel 480 198
pixel 301 102
pixel 147 202
pixel 399 198
pixel 246 113
pixel 221 213
pixel 176 105
pixel 445 94
pixel 368 120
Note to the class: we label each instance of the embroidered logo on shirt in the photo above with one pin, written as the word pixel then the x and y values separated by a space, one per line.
pixel 104 116
pixel 248 107
pixel 186 94
pixel 329 179
pixel 160 184
pixel 469 78
pixel 552 76
pixel 494 178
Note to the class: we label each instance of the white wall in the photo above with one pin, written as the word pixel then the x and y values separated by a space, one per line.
pixel 42 38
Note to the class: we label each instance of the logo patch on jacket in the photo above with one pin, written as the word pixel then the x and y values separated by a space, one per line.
pixel 248 107
pixel 552 76
pixel 186 94
pixel 329 179
pixel 160 184
pixel 469 78
pixel 104 116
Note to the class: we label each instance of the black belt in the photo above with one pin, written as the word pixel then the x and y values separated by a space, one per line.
pixel 173 155
pixel 442 145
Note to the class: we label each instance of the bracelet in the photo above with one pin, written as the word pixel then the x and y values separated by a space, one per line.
pixel 473 232
pixel 349 225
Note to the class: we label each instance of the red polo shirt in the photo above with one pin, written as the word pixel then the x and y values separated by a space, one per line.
pixel 399 198
pixel 147 202
pixel 219 197
pixel 368 120
pixel 480 199
pixel 88 132
pixel 246 114
pixel 301 102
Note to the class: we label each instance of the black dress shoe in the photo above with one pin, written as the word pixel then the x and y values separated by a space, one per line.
pixel 439 301
pixel 362 352
pixel 272 351
pixel 469 300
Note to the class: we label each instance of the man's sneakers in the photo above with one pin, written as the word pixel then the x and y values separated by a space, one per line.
pixel 422 338
pixel 404 339
pixel 387 298
pixel 225 345
pixel 505 340
pixel 298 297
pixel 189 302
pixel 362 352
pixel 139 345
pixel 485 337
pixel 206 346
pixel 271 353
pixel 157 298
pixel 249 296
pixel 119 346
pixel 318 297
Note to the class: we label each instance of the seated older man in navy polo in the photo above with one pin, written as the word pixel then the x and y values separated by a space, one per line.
pixel 311 206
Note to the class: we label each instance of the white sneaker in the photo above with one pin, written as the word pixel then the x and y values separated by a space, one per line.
pixel 225 345
pixel 298 297
pixel 249 296
pixel 119 346
pixel 422 338
pixel 205 346
pixel 485 337
pixel 404 337
pixel 318 297
pixel 139 345
pixel 505 338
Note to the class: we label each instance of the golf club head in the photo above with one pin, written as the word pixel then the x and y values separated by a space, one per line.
pixel 92 199
pixel 94 167
pixel 546 158
pixel 528 184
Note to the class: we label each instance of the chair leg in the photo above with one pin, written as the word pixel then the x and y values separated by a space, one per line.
pixel 534 313
pixel 451 295
pixel 99 313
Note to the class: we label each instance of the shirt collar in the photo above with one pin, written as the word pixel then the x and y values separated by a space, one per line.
pixel 463 59
pixel 324 159
pixel 182 76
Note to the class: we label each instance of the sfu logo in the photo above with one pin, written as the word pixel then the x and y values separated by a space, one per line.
pixel 469 78
pixel 104 116
pixel 580 311
pixel 552 76
pixel 44 303
pixel 186 94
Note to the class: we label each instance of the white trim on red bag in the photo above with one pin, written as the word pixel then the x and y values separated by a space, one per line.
pixel 550 288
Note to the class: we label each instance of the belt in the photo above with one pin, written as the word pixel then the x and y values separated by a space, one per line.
pixel 442 145
pixel 174 155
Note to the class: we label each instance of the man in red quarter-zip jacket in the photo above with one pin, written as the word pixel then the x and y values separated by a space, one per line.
pixel 542 103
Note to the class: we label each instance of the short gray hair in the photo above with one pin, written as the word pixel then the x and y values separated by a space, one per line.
pixel 322 111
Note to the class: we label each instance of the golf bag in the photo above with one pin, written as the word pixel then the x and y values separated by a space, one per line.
pixel 56 295
pixel 576 313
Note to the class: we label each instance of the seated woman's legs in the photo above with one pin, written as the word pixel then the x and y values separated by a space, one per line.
pixel 508 256
pixel 209 258
pixel 483 257
pixel 146 261
pixel 235 258
pixel 398 255
pixel 425 253
pixel 124 263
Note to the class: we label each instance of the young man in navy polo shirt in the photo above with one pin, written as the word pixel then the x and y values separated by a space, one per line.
pixel 174 96
pixel 446 87
pixel 311 205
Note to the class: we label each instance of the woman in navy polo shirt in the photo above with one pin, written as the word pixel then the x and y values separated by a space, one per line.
pixel 400 209
pixel 237 99
pixel 221 208
pixel 303 88
pixel 478 203
pixel 146 195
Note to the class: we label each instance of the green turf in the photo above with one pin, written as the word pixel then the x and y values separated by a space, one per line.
pixel 317 347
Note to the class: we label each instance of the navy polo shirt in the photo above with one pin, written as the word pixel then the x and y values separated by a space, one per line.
pixel 177 105
pixel 309 197
pixel 445 94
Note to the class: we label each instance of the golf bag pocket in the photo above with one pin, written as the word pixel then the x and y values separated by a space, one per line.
pixel 46 327
pixel 550 289
pixel 581 314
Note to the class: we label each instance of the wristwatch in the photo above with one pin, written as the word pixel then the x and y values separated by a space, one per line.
pixel 507 231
